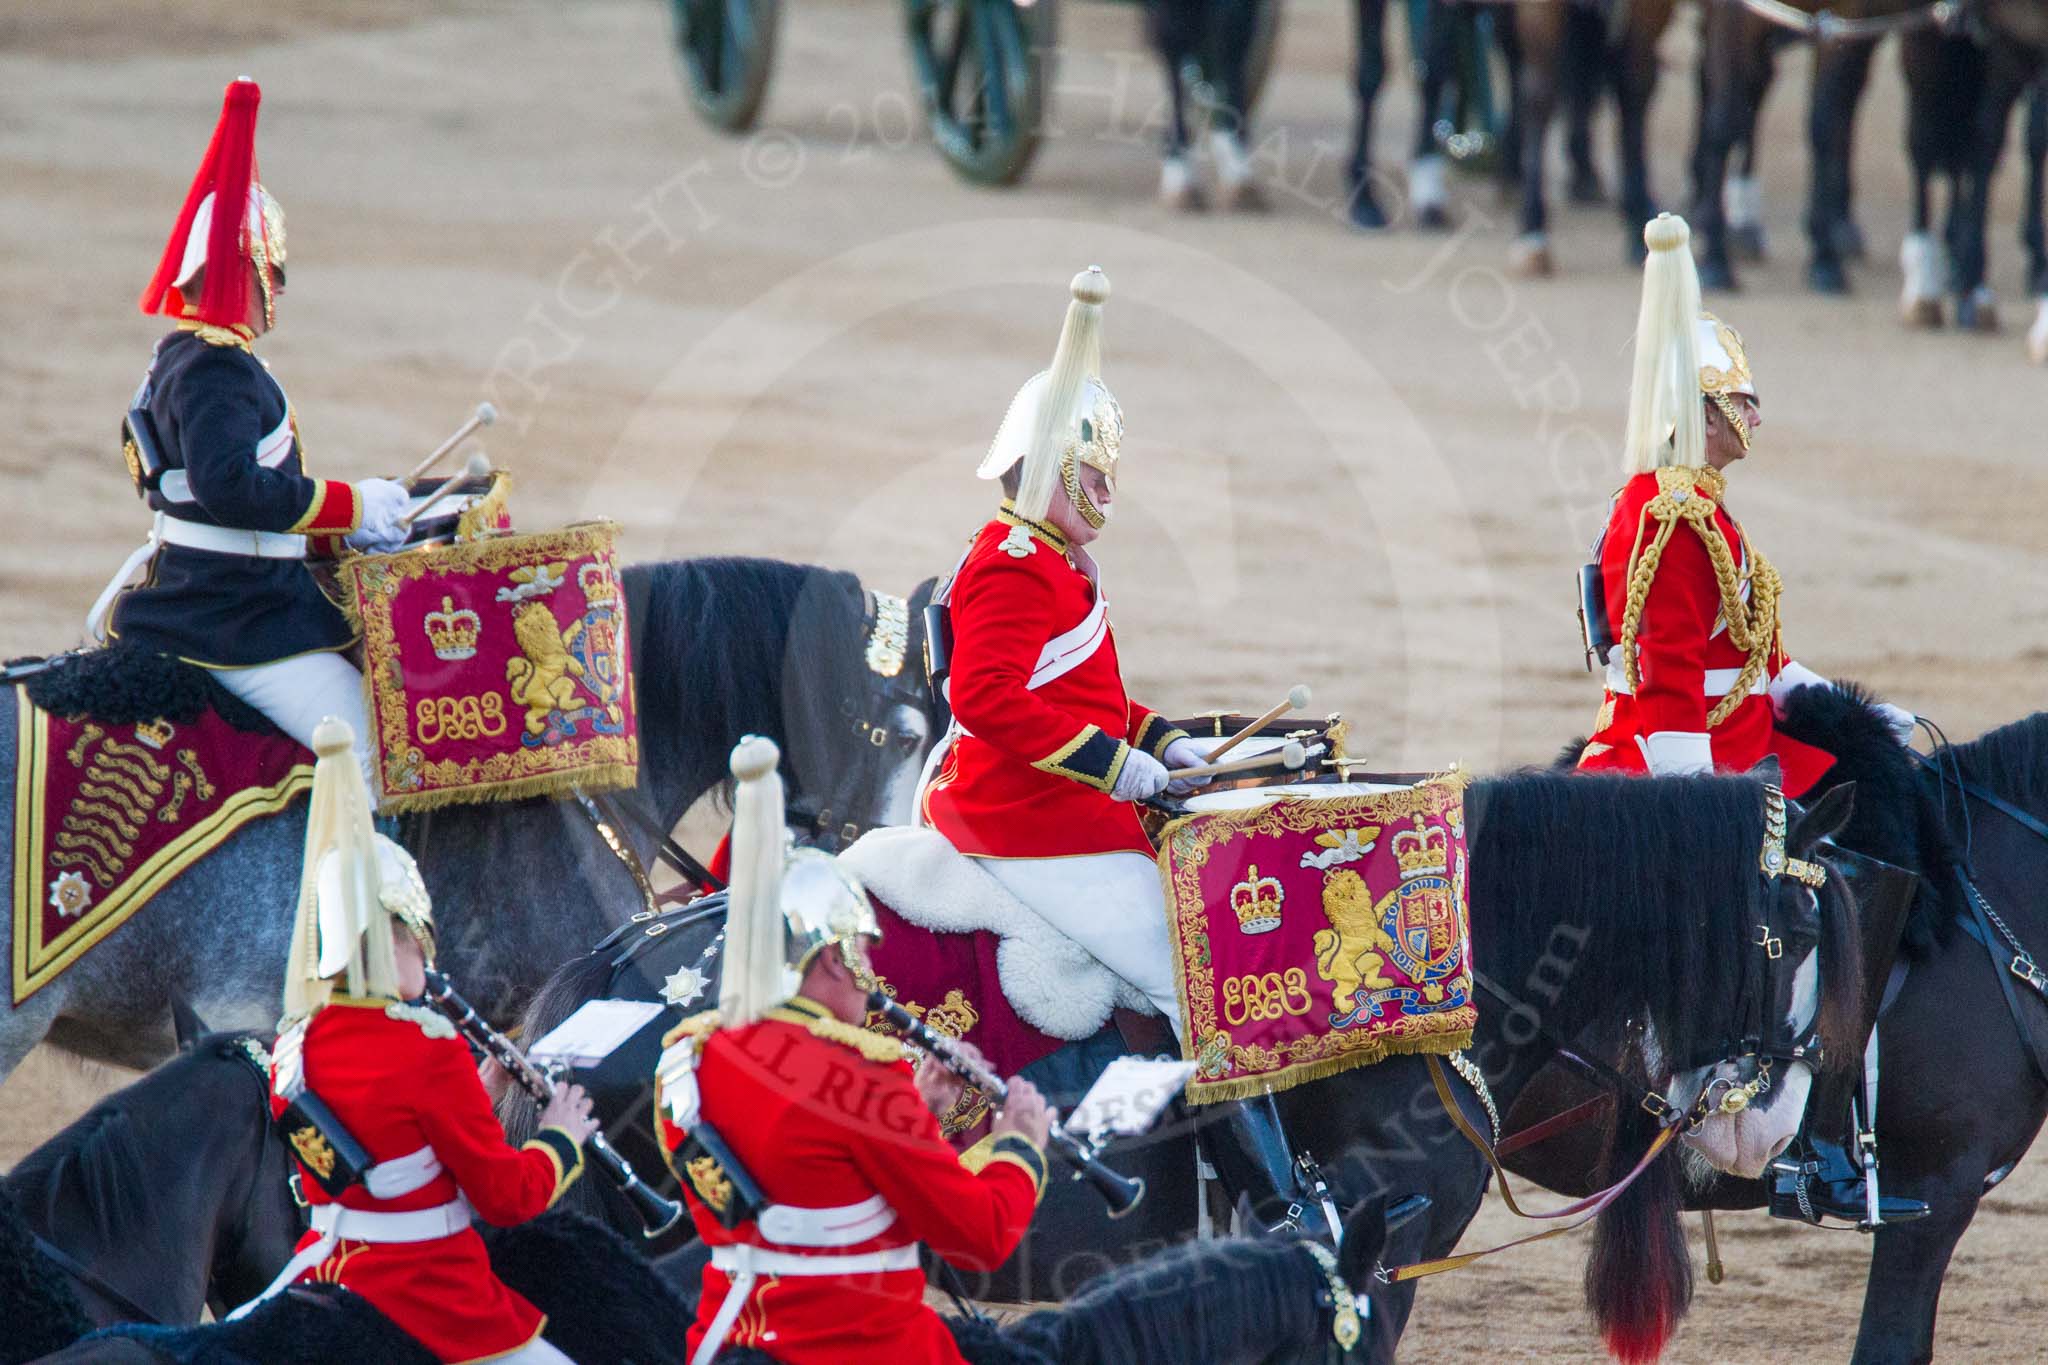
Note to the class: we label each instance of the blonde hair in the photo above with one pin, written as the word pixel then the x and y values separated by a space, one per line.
pixel 1666 418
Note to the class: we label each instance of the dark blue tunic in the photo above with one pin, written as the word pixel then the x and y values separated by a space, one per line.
pixel 231 458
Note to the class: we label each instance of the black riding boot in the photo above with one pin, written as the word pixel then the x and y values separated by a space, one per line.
pixel 1249 1149
pixel 1817 1178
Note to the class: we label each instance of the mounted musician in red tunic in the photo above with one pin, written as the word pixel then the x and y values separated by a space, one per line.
pixel 1697 672
pixel 1038 781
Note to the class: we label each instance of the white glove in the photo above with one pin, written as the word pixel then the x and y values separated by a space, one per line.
pixel 1678 753
pixel 384 502
pixel 1790 679
pixel 1902 721
pixel 1184 753
pixel 1143 777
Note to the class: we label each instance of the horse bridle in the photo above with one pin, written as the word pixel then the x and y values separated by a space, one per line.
pixel 257 1057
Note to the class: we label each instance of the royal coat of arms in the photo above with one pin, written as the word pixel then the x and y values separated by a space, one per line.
pixel 1275 993
pixel 497 668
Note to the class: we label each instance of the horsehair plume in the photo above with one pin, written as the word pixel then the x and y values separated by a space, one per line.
pixel 1639 1273
pixel 754 934
pixel 338 826
pixel 1077 360
pixel 1666 422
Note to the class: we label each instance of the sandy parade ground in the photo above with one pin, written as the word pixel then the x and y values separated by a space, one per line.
pixel 1367 463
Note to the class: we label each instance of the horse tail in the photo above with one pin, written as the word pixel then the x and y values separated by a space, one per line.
pixel 1639 1276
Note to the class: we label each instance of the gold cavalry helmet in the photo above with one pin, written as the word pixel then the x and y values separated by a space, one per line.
pixel 784 906
pixel 227 215
pixel 353 884
pixel 1683 354
pixel 1064 417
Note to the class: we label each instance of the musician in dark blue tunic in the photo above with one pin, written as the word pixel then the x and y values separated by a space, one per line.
pixel 213 444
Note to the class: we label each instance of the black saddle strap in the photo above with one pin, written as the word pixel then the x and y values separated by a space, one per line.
pixel 2005 970
pixel 79 1271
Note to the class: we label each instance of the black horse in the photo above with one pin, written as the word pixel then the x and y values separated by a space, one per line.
pixel 168 1197
pixel 721 648
pixel 1963 1041
pixel 1617 911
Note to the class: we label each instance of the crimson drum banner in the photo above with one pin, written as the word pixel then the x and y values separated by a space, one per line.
pixel 1312 935
pixel 496 668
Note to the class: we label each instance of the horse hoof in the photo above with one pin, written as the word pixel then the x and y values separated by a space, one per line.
pixel 1749 241
pixel 1716 273
pixel 1428 192
pixel 2037 338
pixel 1177 188
pixel 1827 277
pixel 1585 187
pixel 1849 241
pixel 1366 213
pixel 1977 311
pixel 1921 312
pixel 1530 255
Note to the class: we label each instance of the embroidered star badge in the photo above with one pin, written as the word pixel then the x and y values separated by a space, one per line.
pixel 69 895
pixel 684 985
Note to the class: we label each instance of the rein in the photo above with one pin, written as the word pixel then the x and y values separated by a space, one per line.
pixel 1825 26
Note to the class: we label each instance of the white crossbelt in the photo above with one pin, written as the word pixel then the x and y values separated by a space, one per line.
pixel 170 530
pixel 744 1265
pixel 1717 682
pixel 335 1223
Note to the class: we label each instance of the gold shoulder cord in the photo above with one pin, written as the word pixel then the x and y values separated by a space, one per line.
pixel 1752 625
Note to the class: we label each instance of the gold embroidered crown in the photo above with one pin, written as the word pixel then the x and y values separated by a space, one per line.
pixel 1257 900
pixel 1422 851
pixel 599 588
pixel 155 733
pixel 453 633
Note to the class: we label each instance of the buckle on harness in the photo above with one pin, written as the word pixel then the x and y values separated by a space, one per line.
pixel 1658 1108
pixel 2023 967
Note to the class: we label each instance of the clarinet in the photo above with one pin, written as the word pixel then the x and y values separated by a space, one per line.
pixel 1120 1192
pixel 657 1215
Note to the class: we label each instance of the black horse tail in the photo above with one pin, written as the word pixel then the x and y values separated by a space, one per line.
pixel 1639 1276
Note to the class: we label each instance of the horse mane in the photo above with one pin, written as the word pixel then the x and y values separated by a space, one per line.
pixel 2011 761
pixel 1653 905
pixel 720 644
pixel 1256 1297
pixel 1898 815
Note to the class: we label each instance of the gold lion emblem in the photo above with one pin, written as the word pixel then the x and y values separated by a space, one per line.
pixel 543 680
pixel 313 1149
pixel 709 1182
pixel 1353 949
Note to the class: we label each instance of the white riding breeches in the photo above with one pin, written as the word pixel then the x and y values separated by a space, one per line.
pixel 1109 903
pixel 297 694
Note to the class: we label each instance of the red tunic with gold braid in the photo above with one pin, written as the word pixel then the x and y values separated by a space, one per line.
pixel 1669 599
pixel 1042 724
pixel 400 1085
pixel 827 1120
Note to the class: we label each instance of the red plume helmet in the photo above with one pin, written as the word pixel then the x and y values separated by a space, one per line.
pixel 228 174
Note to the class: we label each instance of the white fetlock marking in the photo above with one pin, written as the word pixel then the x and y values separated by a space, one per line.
pixel 1427 188
pixel 1742 200
pixel 1918 254
pixel 2037 335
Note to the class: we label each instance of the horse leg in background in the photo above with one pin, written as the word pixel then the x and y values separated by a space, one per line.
pixel 1227 44
pixel 1743 199
pixel 1582 78
pixel 1539 40
pixel 2033 233
pixel 1635 81
pixel 1725 87
pixel 1840 71
pixel 1428 194
pixel 1368 74
pixel 2008 70
pixel 1939 95
pixel 1176 27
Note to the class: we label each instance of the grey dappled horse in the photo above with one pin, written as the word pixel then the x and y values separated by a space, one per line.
pixel 721 648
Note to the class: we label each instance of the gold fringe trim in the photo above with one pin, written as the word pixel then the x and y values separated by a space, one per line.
pixel 599 777
pixel 1287 1077
pixel 477 519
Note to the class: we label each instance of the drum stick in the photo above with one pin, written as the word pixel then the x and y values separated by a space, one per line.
pixel 477 470
pixel 1297 697
pixel 484 415
pixel 1291 756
